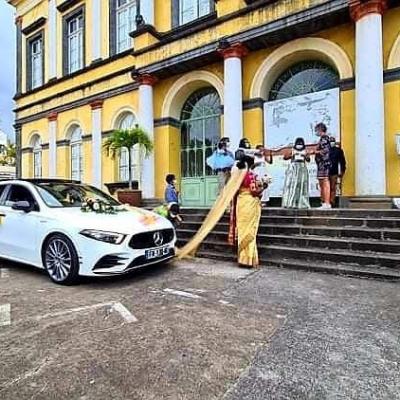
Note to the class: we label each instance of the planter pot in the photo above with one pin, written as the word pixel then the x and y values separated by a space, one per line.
pixel 131 197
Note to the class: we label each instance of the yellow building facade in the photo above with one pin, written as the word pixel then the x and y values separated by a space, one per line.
pixel 193 71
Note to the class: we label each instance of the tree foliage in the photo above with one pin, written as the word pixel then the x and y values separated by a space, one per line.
pixel 127 139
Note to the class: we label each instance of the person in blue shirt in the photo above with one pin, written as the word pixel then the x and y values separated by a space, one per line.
pixel 171 194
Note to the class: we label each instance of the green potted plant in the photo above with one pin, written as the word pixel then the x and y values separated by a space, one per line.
pixel 128 138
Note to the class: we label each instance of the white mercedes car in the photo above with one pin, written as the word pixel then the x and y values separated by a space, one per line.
pixel 71 230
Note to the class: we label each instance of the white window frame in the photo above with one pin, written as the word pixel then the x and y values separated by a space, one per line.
pixel 190 10
pixel 75 45
pixel 76 154
pixel 128 121
pixel 125 16
pixel 37 158
pixel 36 62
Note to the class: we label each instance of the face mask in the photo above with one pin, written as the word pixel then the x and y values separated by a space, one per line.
pixel 333 144
pixel 299 147
pixel 174 182
pixel 247 145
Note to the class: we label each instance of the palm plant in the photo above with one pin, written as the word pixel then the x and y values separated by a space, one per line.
pixel 127 139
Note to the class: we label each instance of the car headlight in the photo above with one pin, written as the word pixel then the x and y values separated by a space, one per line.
pixel 103 236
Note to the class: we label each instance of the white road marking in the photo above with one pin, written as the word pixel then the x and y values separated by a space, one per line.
pixel 73 310
pixel 124 312
pixel 115 306
pixel 4 273
pixel 5 314
pixel 182 293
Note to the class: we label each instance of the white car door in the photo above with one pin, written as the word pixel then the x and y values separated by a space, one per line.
pixel 18 233
pixel 3 189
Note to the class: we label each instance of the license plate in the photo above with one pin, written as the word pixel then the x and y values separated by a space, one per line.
pixel 157 253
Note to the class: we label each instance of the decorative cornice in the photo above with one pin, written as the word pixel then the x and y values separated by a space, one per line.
pixel 78 103
pixel 72 90
pixel 144 79
pixel 96 104
pixel 391 75
pixel 52 116
pixel 236 50
pixel 63 142
pixel 167 121
pixel 34 26
pixel 18 20
pixel 145 28
pixel 67 4
pixel 302 23
pixel 253 103
pixel 55 81
pixel 347 84
pixel 361 8
pixel 45 146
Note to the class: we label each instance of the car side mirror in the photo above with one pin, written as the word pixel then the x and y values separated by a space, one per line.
pixel 22 206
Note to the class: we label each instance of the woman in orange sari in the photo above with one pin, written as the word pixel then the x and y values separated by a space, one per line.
pixel 245 216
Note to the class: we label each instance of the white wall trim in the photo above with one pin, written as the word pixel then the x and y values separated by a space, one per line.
pixel 295 51
pixel 32 136
pixel 394 56
pixel 184 87
pixel 68 129
pixel 118 114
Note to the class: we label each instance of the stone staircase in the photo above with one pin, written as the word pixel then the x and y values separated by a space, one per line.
pixel 358 242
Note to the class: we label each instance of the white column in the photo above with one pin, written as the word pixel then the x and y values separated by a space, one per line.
pixel 52 118
pixel 146 120
pixel 96 30
pixel 96 143
pixel 233 99
pixel 370 122
pixel 147 11
pixel 52 39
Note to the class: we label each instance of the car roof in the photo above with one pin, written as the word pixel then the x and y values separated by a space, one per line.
pixel 38 181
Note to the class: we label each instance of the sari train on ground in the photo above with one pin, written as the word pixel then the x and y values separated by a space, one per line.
pixel 221 204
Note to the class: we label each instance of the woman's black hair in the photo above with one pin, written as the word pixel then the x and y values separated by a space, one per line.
pixel 174 209
pixel 299 141
pixel 245 162
pixel 221 145
pixel 321 127
pixel 242 143
pixel 170 178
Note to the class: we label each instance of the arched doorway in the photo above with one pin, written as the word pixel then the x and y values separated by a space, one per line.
pixel 200 133
pixel 303 95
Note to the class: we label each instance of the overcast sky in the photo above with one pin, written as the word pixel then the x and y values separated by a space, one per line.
pixel 7 68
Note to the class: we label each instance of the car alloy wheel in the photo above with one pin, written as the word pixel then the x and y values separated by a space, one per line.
pixel 60 260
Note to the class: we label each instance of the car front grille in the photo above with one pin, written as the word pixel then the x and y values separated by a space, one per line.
pixel 146 240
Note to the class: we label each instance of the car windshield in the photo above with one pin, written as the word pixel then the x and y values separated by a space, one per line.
pixel 72 194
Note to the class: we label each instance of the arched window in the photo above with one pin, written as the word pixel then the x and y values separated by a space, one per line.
pixel 302 78
pixel 126 121
pixel 76 153
pixel 37 156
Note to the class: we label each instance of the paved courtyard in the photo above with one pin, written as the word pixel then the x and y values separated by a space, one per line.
pixel 199 330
